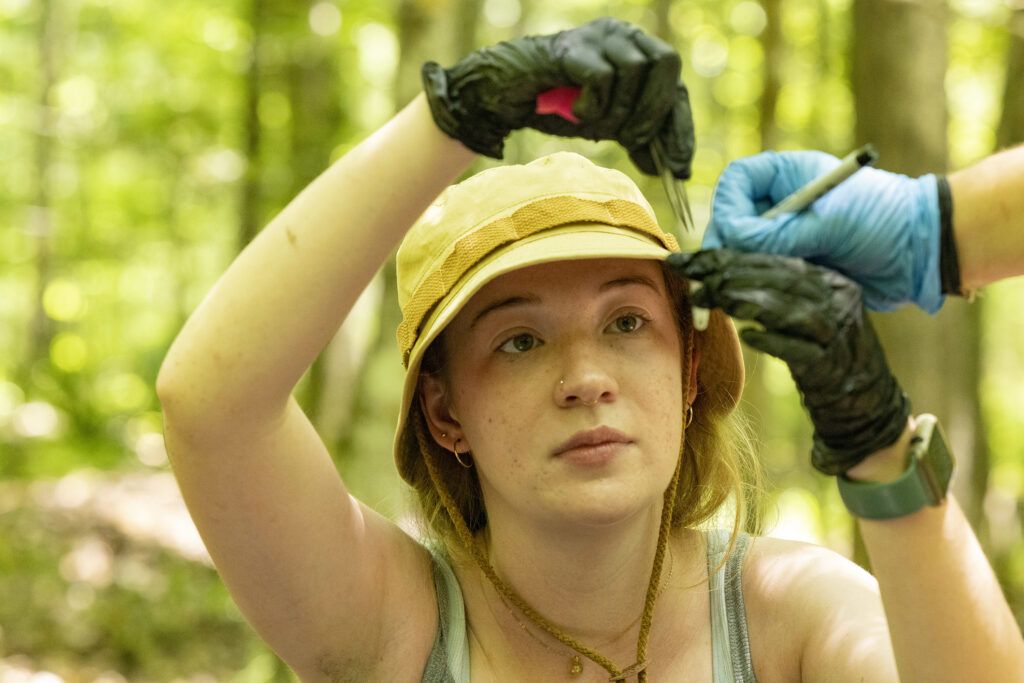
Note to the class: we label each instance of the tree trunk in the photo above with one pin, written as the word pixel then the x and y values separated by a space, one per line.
pixel 249 219
pixel 662 9
pixel 418 42
pixel 467 18
pixel 40 217
pixel 421 29
pixel 772 45
pixel 825 69
pixel 1011 125
pixel 311 79
pixel 898 84
pixel 901 107
pixel 1001 541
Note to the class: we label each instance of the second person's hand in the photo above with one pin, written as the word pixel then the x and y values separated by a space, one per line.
pixel 881 229
pixel 630 92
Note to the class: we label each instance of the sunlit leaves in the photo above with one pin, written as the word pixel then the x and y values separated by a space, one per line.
pixel 977 48
pixel 502 13
pixel 1002 391
pixel 69 352
pixel 324 18
pixel 223 32
pixel 798 514
pixel 76 96
pixel 63 300
pixel 709 53
pixel 149 147
pixel 274 109
pixel 36 420
pixel 121 392
pixel 378 52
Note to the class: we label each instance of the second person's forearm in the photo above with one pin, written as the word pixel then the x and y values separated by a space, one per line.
pixel 285 295
pixel 988 218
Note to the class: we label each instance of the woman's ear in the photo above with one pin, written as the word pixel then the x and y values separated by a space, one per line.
pixel 441 419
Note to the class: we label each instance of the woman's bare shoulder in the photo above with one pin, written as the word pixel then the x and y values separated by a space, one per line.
pixel 806 603
pixel 776 564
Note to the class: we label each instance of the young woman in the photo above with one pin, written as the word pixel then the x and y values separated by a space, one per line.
pixel 565 428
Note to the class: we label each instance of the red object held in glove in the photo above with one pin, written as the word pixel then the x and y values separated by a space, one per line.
pixel 559 101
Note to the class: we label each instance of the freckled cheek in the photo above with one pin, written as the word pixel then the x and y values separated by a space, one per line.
pixel 501 424
pixel 659 390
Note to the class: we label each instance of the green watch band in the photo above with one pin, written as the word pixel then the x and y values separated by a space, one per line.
pixel 925 482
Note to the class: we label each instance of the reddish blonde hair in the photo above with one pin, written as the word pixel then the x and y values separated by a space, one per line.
pixel 718 462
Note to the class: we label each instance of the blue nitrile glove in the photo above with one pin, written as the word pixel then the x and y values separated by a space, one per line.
pixel 881 229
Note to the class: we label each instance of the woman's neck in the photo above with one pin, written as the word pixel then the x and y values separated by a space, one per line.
pixel 590 582
pixel 591 588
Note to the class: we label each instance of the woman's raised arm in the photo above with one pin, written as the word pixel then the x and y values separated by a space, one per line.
pixel 241 353
pixel 309 566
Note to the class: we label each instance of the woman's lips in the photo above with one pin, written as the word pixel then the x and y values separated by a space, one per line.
pixel 593 446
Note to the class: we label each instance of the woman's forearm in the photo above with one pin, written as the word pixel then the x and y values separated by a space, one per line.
pixel 988 218
pixel 947 615
pixel 280 302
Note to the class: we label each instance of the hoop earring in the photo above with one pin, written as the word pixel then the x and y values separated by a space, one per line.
pixel 458 456
pixel 689 416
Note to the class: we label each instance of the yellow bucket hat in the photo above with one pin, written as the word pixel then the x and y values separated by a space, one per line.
pixel 560 207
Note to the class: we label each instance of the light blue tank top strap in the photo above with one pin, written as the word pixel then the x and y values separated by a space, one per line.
pixel 730 644
pixel 449 659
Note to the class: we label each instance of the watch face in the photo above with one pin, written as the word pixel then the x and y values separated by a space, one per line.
pixel 936 463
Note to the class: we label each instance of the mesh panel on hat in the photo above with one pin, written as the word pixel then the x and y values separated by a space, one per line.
pixel 540 215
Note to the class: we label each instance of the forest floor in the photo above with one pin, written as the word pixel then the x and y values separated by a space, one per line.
pixel 105 580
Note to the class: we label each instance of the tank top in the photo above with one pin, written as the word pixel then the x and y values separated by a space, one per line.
pixel 730 646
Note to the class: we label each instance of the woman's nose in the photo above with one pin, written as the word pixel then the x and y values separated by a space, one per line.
pixel 585 386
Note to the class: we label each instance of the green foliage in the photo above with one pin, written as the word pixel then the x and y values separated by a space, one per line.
pixel 122 177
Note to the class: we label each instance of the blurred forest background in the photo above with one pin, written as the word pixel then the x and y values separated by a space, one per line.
pixel 143 143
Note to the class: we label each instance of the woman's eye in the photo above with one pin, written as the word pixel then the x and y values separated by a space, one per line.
pixel 519 343
pixel 628 323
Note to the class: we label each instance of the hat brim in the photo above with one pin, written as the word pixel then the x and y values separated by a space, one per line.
pixel 721 367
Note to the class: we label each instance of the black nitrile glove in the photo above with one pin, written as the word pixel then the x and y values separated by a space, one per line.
pixel 815 321
pixel 630 92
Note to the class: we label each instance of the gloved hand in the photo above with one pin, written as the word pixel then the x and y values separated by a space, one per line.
pixel 879 228
pixel 631 92
pixel 813 320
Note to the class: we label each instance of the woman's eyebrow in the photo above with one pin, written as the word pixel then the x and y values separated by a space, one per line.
pixel 503 304
pixel 522 300
pixel 630 280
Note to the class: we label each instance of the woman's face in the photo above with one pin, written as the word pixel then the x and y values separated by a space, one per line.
pixel 564 380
